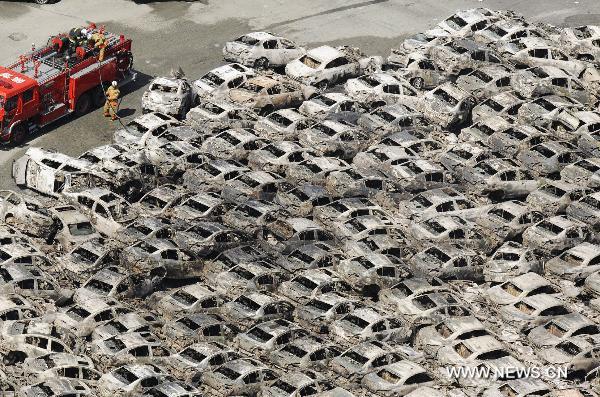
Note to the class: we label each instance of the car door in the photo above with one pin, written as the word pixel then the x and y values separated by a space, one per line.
pixel 338 69
pixel 43 177
pixel 102 218
pixel 20 170
pixel 427 72
pixel 289 50
pixel 540 56
pixel 251 383
pixel 270 50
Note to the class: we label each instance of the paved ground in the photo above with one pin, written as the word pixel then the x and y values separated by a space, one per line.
pixel 190 34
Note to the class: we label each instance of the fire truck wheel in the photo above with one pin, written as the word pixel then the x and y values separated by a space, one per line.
pixel 98 97
pixel 19 133
pixel 83 105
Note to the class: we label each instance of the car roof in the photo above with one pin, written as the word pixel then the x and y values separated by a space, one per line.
pixel 324 53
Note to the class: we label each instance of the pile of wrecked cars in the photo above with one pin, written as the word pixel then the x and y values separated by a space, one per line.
pixel 318 221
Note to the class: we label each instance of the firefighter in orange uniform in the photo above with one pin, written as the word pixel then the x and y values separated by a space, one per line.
pixel 112 101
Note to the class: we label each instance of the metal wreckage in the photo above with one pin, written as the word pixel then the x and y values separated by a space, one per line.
pixel 323 223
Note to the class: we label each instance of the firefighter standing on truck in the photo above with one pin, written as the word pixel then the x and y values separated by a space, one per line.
pixel 112 101
pixel 99 40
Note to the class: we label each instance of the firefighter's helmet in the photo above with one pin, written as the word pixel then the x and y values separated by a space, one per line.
pixel 114 83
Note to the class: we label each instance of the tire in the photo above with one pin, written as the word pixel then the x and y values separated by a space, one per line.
pixel 98 97
pixel 585 57
pixel 83 105
pixel 41 1
pixel 18 135
pixel 418 83
pixel 261 64
pixel 9 220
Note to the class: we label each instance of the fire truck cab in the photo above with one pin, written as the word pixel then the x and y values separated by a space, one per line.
pixel 50 83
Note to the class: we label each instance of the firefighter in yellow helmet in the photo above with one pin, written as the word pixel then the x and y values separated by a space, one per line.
pixel 112 101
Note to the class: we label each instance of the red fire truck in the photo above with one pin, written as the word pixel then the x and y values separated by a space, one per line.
pixel 64 77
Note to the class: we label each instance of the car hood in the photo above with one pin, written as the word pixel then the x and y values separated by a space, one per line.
pixel 234 47
pixel 541 337
pixel 202 88
pixel 297 69
pixel 160 97
pixel 241 96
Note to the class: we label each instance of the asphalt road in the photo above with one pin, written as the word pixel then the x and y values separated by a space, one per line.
pixel 191 34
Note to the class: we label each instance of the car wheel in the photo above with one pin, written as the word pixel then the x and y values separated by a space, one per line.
pixel 42 1
pixel 19 134
pixel 9 220
pixel 261 63
pixel 418 83
pixel 83 105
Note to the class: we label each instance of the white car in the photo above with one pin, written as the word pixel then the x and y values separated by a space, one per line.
pixel 138 130
pixel 217 82
pixel 168 95
pixel 381 88
pixel 325 66
pixel 261 50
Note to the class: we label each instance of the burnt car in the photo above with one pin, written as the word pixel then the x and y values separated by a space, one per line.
pixel 192 361
pixel 398 378
pixel 233 144
pixel 586 209
pixel 555 234
pixel 159 258
pixel 283 124
pixel 584 172
pixel 239 377
pixel 108 211
pixel 169 95
pixel 137 131
pixel 366 323
pixel 216 82
pixel 334 139
pixel 324 66
pixel 365 357
pixel 265 94
pixel 26 213
pixel 131 347
pixel 198 327
pixel 219 113
pixel 449 260
pixel 205 238
pixel 500 178
pixel 328 103
pixel 576 263
pixel 71 227
pixel 261 50
pixel 511 259
pixel 193 298
pixel 381 88
pixel 318 313
pixel 447 105
pixel 254 307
